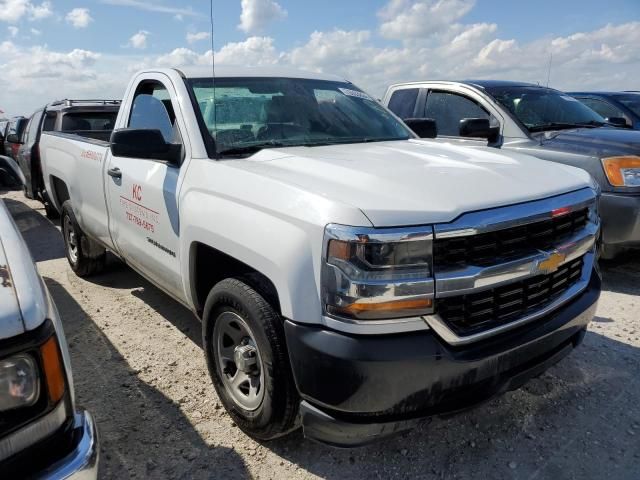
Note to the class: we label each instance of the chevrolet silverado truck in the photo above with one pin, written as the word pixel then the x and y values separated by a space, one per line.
pixel 350 277
pixel 42 432
pixel 542 122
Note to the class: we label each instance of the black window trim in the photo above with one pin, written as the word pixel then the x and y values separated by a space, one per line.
pixel 141 84
pixel 431 90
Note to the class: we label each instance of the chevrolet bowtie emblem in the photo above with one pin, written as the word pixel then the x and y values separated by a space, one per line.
pixel 552 263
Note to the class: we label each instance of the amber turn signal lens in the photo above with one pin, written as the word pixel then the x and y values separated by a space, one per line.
pixel 393 306
pixel 53 369
pixel 339 249
pixel 613 167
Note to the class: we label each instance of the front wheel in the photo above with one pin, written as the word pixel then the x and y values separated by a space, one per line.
pixel 248 362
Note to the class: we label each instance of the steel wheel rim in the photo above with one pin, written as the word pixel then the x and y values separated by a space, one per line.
pixel 238 361
pixel 72 242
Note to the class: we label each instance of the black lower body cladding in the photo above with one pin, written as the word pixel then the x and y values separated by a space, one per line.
pixel 620 222
pixel 359 389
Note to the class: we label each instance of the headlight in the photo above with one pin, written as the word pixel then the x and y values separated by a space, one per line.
pixel 622 171
pixel 19 382
pixel 377 274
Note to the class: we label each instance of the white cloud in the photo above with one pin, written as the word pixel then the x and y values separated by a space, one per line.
pixel 257 14
pixel 12 11
pixel 79 17
pixel 196 37
pixel 603 58
pixel 38 12
pixel 35 32
pixel 420 19
pixel 148 6
pixel 139 40
pixel 253 51
pixel 13 31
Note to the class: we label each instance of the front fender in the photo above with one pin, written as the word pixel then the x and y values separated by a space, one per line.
pixel 281 250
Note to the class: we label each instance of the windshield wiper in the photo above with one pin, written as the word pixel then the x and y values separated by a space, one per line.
pixel 251 148
pixel 340 141
pixel 561 126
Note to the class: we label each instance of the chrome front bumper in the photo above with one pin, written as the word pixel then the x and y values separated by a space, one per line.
pixel 82 462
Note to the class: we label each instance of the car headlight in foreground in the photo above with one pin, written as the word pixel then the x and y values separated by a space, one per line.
pixel 19 382
pixel 32 390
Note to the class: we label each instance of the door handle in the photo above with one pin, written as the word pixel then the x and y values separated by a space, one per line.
pixel 114 172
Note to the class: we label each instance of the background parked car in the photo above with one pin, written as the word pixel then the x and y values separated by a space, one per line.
pixel 542 122
pixel 611 105
pixel 12 140
pixel 93 118
pixel 4 124
pixel 42 432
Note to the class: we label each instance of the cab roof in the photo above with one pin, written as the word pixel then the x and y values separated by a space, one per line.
pixel 272 71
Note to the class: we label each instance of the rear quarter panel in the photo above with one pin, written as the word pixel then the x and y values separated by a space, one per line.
pixel 79 163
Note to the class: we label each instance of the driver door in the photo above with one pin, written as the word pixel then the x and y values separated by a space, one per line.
pixel 143 193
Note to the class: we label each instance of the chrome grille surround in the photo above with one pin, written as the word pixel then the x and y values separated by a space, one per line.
pixel 462 279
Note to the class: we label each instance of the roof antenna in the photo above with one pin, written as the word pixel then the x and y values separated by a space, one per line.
pixel 549 70
pixel 213 81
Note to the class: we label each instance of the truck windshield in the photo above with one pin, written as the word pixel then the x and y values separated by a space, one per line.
pixel 248 114
pixel 541 109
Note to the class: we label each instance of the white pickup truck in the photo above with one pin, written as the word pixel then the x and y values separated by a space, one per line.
pixel 350 278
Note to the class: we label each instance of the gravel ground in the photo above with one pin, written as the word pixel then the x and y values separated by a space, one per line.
pixel 139 368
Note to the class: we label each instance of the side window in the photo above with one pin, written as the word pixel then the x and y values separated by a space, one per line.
pixel 447 109
pixel 49 122
pixel 33 127
pixel 152 109
pixel 25 132
pixel 603 108
pixel 403 102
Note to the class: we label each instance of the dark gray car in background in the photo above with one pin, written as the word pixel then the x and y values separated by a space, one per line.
pixel 538 121
pixel 622 105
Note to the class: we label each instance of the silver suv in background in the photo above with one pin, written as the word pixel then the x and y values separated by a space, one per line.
pixel 42 432
pixel 538 121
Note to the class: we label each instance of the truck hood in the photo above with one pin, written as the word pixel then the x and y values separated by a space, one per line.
pixel 416 181
pixel 598 142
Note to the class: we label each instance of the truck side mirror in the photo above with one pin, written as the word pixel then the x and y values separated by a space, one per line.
pixel 618 121
pixel 144 143
pixel 478 128
pixel 13 138
pixel 423 127
pixel 10 174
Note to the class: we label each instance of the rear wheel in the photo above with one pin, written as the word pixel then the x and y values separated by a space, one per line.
pixel 84 256
pixel 248 361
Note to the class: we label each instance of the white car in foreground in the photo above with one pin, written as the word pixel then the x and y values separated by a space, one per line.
pixel 42 432
pixel 350 277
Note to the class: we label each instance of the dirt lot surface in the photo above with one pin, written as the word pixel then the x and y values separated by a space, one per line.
pixel 139 368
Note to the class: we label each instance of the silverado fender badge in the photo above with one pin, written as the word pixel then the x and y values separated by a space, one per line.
pixel 551 263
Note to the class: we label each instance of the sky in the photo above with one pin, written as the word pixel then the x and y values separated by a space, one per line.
pixel 55 49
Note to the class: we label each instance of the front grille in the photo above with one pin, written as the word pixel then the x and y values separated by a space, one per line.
pixel 468 314
pixel 484 248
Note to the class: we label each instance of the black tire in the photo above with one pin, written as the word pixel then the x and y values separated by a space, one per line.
pixel 277 413
pixel 78 255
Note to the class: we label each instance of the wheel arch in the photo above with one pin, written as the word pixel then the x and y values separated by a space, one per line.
pixel 208 266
